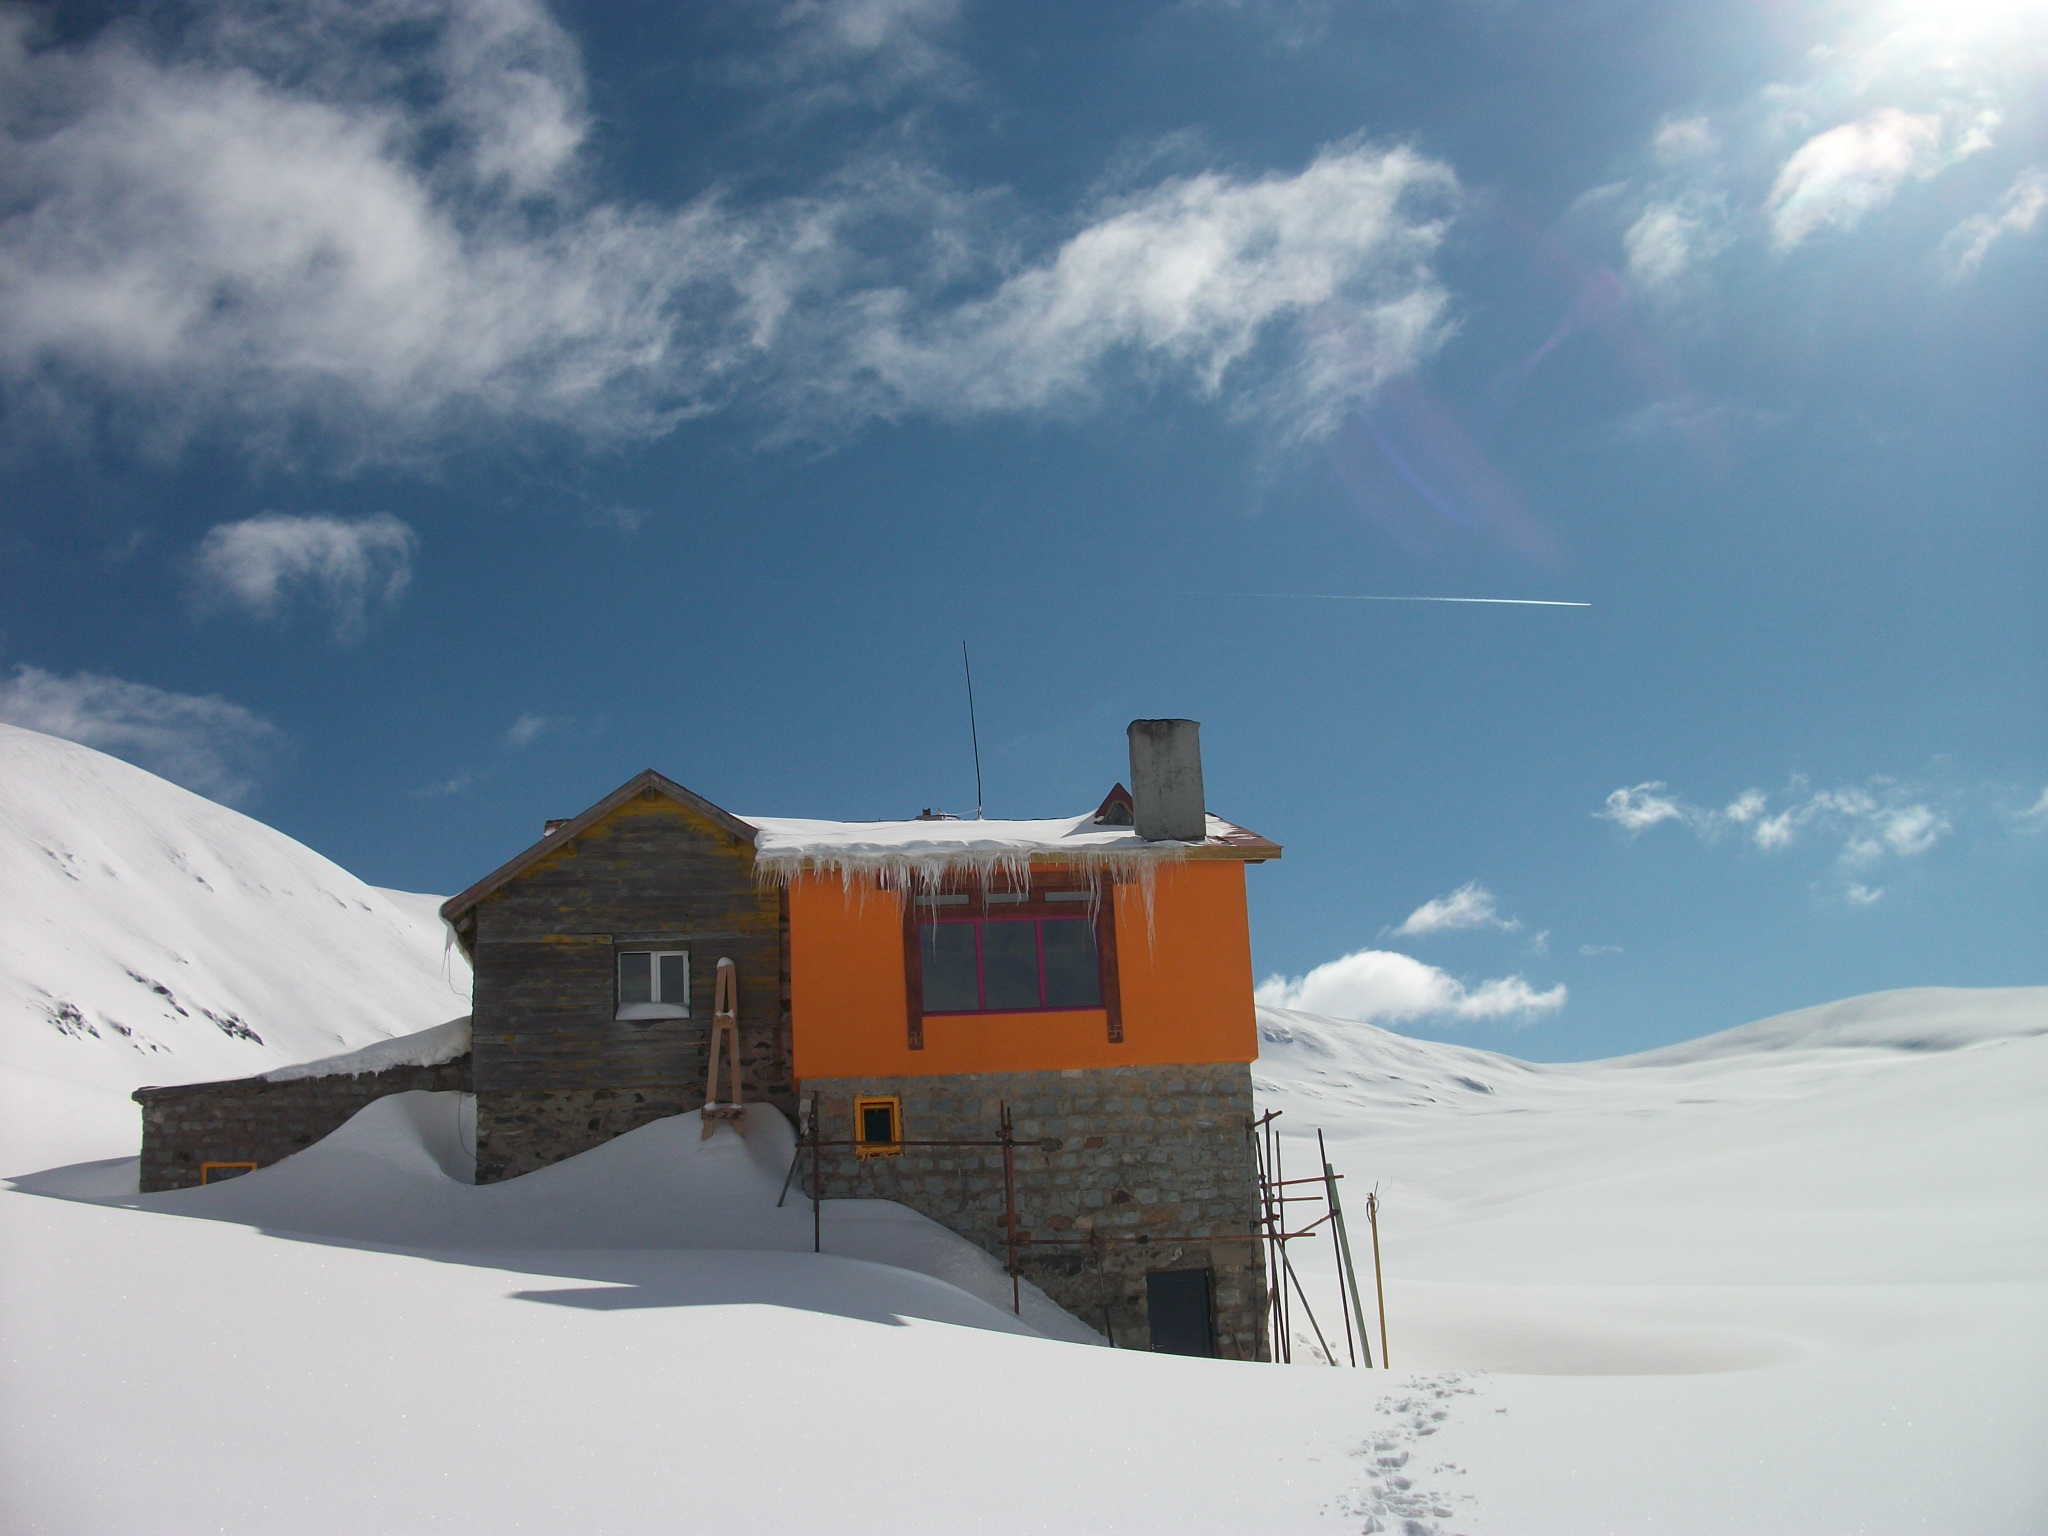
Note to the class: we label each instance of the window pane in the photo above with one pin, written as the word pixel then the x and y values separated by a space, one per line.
pixel 636 978
pixel 1009 965
pixel 948 955
pixel 877 1124
pixel 1072 978
pixel 675 980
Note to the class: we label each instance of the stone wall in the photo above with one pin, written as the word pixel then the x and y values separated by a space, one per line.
pixel 249 1120
pixel 520 1130
pixel 1153 1170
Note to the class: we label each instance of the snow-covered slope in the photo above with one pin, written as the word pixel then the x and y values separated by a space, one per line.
pixel 148 935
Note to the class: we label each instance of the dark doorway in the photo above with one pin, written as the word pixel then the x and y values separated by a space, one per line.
pixel 1178 1311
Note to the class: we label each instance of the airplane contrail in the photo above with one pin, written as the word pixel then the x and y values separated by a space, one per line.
pixel 1375 597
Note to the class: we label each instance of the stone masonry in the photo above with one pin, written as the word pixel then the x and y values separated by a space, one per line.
pixel 521 1130
pixel 1153 1170
pixel 249 1120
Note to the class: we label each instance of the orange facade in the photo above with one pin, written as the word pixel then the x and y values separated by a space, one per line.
pixel 1186 986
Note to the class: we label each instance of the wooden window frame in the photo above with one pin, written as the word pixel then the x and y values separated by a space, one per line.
pixel 206 1169
pixel 1051 894
pixel 862 1147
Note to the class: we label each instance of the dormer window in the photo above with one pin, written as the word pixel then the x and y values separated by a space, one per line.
pixel 654 984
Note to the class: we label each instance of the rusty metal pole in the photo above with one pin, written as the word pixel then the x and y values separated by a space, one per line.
pixel 1010 1210
pixel 1372 1216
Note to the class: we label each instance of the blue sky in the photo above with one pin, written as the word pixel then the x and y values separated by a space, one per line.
pixel 419 418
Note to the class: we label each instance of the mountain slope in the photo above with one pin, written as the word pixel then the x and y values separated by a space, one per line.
pixel 148 935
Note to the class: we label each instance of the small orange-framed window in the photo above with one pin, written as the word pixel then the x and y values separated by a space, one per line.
pixel 878 1126
pixel 213 1173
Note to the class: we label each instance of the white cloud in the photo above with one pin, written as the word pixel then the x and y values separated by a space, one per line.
pixel 1684 139
pixel 1192 278
pixel 1891 93
pixel 1864 895
pixel 1642 805
pixel 1471 905
pixel 1590 950
pixel 1837 177
pixel 1672 239
pixel 2016 214
pixel 346 565
pixel 2036 815
pixel 309 230
pixel 210 746
pixel 528 729
pixel 1383 985
pixel 839 53
pixel 1866 825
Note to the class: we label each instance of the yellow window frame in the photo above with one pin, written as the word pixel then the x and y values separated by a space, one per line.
pixel 862 1147
pixel 206 1169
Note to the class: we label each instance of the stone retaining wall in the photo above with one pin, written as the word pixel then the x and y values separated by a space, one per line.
pixel 249 1120
pixel 519 1130
pixel 1160 1154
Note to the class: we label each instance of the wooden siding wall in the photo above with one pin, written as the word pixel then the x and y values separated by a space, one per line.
pixel 651 875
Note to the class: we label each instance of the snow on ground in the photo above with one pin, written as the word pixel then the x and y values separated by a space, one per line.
pixel 1787 1281
pixel 1793 1278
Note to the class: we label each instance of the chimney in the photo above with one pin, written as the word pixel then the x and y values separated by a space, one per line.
pixel 1166 779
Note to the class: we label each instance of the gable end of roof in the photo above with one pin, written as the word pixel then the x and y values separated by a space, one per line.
pixel 648 784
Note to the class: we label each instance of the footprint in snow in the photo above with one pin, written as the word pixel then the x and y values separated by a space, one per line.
pixel 1399 1498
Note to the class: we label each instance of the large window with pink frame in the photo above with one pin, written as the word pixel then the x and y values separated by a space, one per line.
pixel 997 962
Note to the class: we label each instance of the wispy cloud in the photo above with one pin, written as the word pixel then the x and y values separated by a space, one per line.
pixel 1471 905
pixel 844 53
pixel 528 729
pixel 1863 825
pixel 345 565
pixel 1642 805
pixel 1891 94
pixel 377 229
pixel 2016 213
pixel 1380 985
pixel 210 746
pixel 1592 950
pixel 1672 239
pixel 1327 267
pixel 1835 178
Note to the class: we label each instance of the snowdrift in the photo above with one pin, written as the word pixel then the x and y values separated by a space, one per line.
pixel 396 1177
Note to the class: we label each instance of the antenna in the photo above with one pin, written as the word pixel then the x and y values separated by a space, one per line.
pixel 973 734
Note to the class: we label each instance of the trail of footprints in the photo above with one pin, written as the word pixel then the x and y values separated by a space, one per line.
pixel 1400 1496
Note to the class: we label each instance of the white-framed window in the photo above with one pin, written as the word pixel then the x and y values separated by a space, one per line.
pixel 654 984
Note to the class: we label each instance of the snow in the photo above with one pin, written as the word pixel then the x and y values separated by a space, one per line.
pixel 1791 1278
pixel 901 855
pixel 428 1048
pixel 148 935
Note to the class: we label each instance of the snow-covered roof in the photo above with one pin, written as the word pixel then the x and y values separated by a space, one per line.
pixel 896 854
pixel 428 1048
pixel 902 854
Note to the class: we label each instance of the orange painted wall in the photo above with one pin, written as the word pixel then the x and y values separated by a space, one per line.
pixel 1187 994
